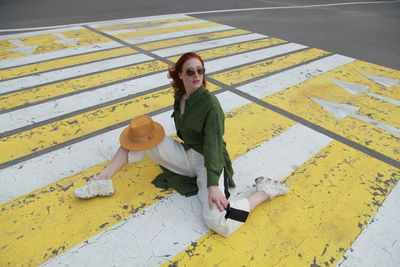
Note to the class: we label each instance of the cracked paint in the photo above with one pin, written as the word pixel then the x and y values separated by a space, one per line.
pixel 47 42
pixel 74 85
pixel 298 100
pixel 310 227
pixel 263 68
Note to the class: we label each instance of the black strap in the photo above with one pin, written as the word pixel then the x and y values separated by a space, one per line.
pixel 235 214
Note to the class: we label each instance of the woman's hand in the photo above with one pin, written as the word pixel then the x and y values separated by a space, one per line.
pixel 216 196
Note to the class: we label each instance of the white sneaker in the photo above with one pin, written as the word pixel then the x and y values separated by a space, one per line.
pixel 95 187
pixel 271 187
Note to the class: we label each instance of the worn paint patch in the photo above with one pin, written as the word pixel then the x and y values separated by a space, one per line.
pixel 263 68
pixel 63 62
pixel 134 34
pixel 191 39
pixel 298 100
pixel 48 42
pixel 78 84
pixel 234 49
pixel 333 196
pixel 145 24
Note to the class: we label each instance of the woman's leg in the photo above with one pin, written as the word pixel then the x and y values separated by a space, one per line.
pixel 256 199
pixel 101 185
pixel 117 162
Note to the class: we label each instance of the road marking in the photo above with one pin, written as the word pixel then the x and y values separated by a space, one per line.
pixel 71 72
pixel 64 206
pixel 41 93
pixel 167 236
pixel 21 48
pixel 334 195
pixel 65 40
pixel 242 74
pixel 191 39
pixel 170 35
pixel 46 43
pixel 297 100
pixel 167 52
pixel 341 111
pixel 281 81
pixel 378 244
pixel 130 35
pixel 146 24
pixel 151 26
pixel 383 80
pixel 63 63
pixel 249 57
pixel 14 62
pixel 234 48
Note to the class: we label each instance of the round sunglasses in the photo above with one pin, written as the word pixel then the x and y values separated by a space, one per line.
pixel 191 72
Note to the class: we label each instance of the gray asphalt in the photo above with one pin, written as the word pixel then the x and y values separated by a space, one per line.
pixel 368 31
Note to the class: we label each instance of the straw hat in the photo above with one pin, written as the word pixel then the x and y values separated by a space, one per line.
pixel 143 133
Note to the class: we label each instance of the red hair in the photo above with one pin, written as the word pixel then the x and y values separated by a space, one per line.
pixel 173 72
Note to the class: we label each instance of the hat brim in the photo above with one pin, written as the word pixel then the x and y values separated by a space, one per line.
pixel 128 144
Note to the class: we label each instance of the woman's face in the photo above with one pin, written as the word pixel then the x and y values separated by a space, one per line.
pixel 190 74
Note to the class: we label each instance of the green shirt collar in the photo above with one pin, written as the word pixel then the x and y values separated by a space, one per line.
pixel 196 96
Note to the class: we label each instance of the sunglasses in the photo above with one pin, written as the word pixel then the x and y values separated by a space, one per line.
pixel 191 72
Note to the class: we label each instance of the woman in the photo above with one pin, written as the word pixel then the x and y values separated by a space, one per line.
pixel 200 165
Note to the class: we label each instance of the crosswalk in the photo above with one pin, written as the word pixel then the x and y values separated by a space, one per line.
pixel 326 124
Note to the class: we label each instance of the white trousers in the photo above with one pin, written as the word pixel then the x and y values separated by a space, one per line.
pixel 171 155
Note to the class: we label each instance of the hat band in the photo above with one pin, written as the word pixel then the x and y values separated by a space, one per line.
pixel 142 139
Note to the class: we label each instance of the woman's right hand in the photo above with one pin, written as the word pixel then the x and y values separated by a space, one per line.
pixel 216 196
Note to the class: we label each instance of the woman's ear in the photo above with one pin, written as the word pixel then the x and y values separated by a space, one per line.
pixel 180 76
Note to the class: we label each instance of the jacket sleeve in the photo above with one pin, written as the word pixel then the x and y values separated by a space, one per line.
pixel 213 147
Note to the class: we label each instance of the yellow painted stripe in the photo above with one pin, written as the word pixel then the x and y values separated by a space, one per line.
pixel 144 24
pixel 235 48
pixel 333 196
pixel 56 89
pixel 191 39
pixel 45 92
pixel 262 68
pixel 369 68
pixel 129 35
pixel 47 42
pixel 296 100
pixel 63 62
pixel 50 220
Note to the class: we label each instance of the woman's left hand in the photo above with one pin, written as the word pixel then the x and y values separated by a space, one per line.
pixel 216 196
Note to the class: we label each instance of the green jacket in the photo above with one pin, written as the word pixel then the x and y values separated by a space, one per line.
pixel 201 128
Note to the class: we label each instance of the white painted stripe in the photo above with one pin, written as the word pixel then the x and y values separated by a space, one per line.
pixel 166 52
pixel 36 33
pixel 37 113
pixel 278 82
pixel 14 62
pixel 71 72
pixel 108 23
pixel 26 116
pixel 384 98
pixel 66 161
pixel 385 127
pixel 248 57
pixel 378 244
pixel 155 26
pixel 163 230
pixel 288 7
pixel 170 35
